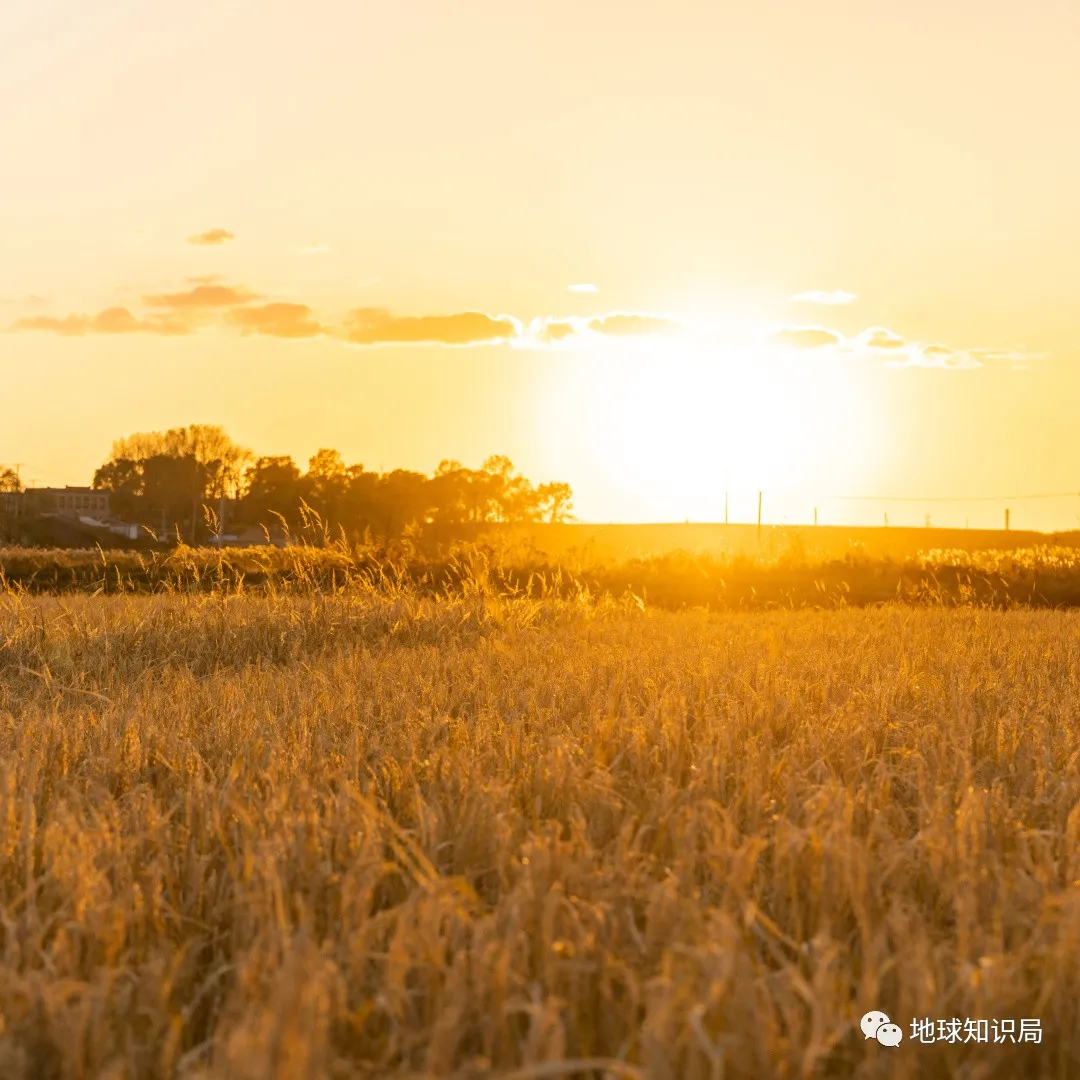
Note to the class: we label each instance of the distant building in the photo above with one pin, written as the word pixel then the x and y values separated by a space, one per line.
pixel 252 536
pixel 132 532
pixel 10 503
pixel 71 502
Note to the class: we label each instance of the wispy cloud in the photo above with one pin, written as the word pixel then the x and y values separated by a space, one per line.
pixel 202 296
pixel 576 332
pixel 935 356
pixel 943 356
pixel 1014 356
pixel 554 331
pixel 805 337
pixel 628 324
pixel 825 296
pixel 376 326
pixel 280 320
pixel 114 320
pixel 896 351
pixel 210 302
pixel 211 237
pixel 582 288
pixel 877 342
pixel 880 337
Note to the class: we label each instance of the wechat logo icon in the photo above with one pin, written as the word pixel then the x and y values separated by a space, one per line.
pixel 877 1025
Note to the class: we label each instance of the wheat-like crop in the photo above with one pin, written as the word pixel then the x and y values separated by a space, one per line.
pixel 382 831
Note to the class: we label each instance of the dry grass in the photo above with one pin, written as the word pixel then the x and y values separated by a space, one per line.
pixel 375 833
pixel 1046 576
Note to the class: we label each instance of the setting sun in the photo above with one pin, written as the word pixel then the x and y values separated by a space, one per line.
pixel 539 541
pixel 674 428
pixel 517 225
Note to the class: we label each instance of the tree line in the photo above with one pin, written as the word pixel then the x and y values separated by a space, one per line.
pixel 196 482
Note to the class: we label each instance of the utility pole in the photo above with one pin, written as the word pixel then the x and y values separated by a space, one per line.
pixel 1006 520
pixel 16 467
pixel 886 519
pixel 815 517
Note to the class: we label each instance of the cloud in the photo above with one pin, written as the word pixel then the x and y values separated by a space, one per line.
pixel 1015 356
pixel 547 332
pixel 211 236
pixel 376 326
pixel 624 324
pixel 316 248
pixel 202 296
pixel 900 353
pixel 276 320
pixel 822 296
pixel 575 331
pixel 956 360
pixel 114 320
pixel 937 350
pixel 69 326
pixel 556 330
pixel 934 356
pixel 881 343
pixel 583 288
pixel 880 337
pixel 805 337
pixel 942 356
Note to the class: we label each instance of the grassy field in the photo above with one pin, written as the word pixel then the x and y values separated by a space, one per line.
pixel 376 831
pixel 619 543
pixel 1042 576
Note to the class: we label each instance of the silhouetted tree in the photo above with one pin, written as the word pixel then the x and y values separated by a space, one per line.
pixel 361 502
pixel 554 501
pixel 325 485
pixel 403 499
pixel 123 478
pixel 172 486
pixel 273 487
pixel 164 479
pixel 451 494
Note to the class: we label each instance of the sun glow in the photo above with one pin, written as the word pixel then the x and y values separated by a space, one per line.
pixel 670 427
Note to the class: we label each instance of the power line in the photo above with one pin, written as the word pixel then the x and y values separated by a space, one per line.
pixel 953 499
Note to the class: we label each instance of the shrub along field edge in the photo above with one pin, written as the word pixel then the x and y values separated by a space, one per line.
pixel 1035 577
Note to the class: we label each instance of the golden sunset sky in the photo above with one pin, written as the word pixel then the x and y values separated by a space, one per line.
pixel 832 248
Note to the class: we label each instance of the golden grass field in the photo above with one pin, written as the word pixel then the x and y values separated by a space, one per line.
pixel 382 831
pixel 787 577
